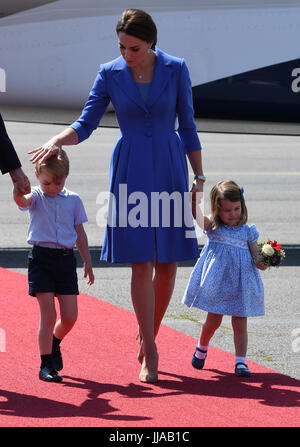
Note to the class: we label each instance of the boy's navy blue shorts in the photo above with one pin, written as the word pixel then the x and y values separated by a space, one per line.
pixel 52 270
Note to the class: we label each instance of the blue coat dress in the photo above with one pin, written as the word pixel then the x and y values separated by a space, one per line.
pixel 148 215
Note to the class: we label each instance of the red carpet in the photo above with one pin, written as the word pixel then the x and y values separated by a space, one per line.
pixel 101 387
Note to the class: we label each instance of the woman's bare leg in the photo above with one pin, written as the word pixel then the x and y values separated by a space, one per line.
pixel 163 283
pixel 163 287
pixel 142 293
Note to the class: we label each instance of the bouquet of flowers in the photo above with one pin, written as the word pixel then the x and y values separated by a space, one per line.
pixel 271 253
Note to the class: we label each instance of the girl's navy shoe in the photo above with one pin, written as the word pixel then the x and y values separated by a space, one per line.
pixel 198 363
pixel 242 372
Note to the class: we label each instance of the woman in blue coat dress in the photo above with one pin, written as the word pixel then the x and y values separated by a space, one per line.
pixel 148 225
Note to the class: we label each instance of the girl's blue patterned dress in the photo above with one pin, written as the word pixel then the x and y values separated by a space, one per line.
pixel 225 279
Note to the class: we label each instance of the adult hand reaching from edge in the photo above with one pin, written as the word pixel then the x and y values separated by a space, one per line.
pixel 21 181
pixel 67 137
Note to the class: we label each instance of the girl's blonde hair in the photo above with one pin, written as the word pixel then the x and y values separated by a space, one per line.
pixel 56 168
pixel 226 190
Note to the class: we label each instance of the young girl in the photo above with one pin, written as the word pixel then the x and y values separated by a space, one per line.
pixel 226 280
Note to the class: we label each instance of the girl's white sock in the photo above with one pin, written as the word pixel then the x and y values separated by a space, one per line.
pixel 240 360
pixel 201 355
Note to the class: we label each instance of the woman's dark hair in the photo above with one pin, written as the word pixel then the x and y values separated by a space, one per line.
pixel 138 23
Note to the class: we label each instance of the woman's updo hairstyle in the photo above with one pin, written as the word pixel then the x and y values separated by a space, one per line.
pixel 138 23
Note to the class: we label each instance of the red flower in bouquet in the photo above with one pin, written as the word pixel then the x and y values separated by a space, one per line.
pixel 275 245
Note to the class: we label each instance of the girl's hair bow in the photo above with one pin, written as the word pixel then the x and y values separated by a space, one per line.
pixel 242 193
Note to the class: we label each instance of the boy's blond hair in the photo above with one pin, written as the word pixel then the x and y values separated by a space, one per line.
pixel 56 168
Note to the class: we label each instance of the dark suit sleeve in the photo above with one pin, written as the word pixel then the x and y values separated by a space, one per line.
pixel 9 159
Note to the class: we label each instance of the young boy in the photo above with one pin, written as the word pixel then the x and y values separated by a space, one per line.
pixel 56 225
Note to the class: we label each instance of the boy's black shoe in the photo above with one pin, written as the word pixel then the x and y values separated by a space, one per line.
pixel 49 375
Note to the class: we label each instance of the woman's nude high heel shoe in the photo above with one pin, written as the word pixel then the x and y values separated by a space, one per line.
pixel 148 373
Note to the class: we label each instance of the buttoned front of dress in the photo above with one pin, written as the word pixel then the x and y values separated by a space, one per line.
pixel 149 156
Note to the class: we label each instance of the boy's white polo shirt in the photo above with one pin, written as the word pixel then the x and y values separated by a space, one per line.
pixel 53 219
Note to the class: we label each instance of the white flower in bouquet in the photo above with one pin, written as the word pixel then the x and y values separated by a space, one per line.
pixel 267 250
